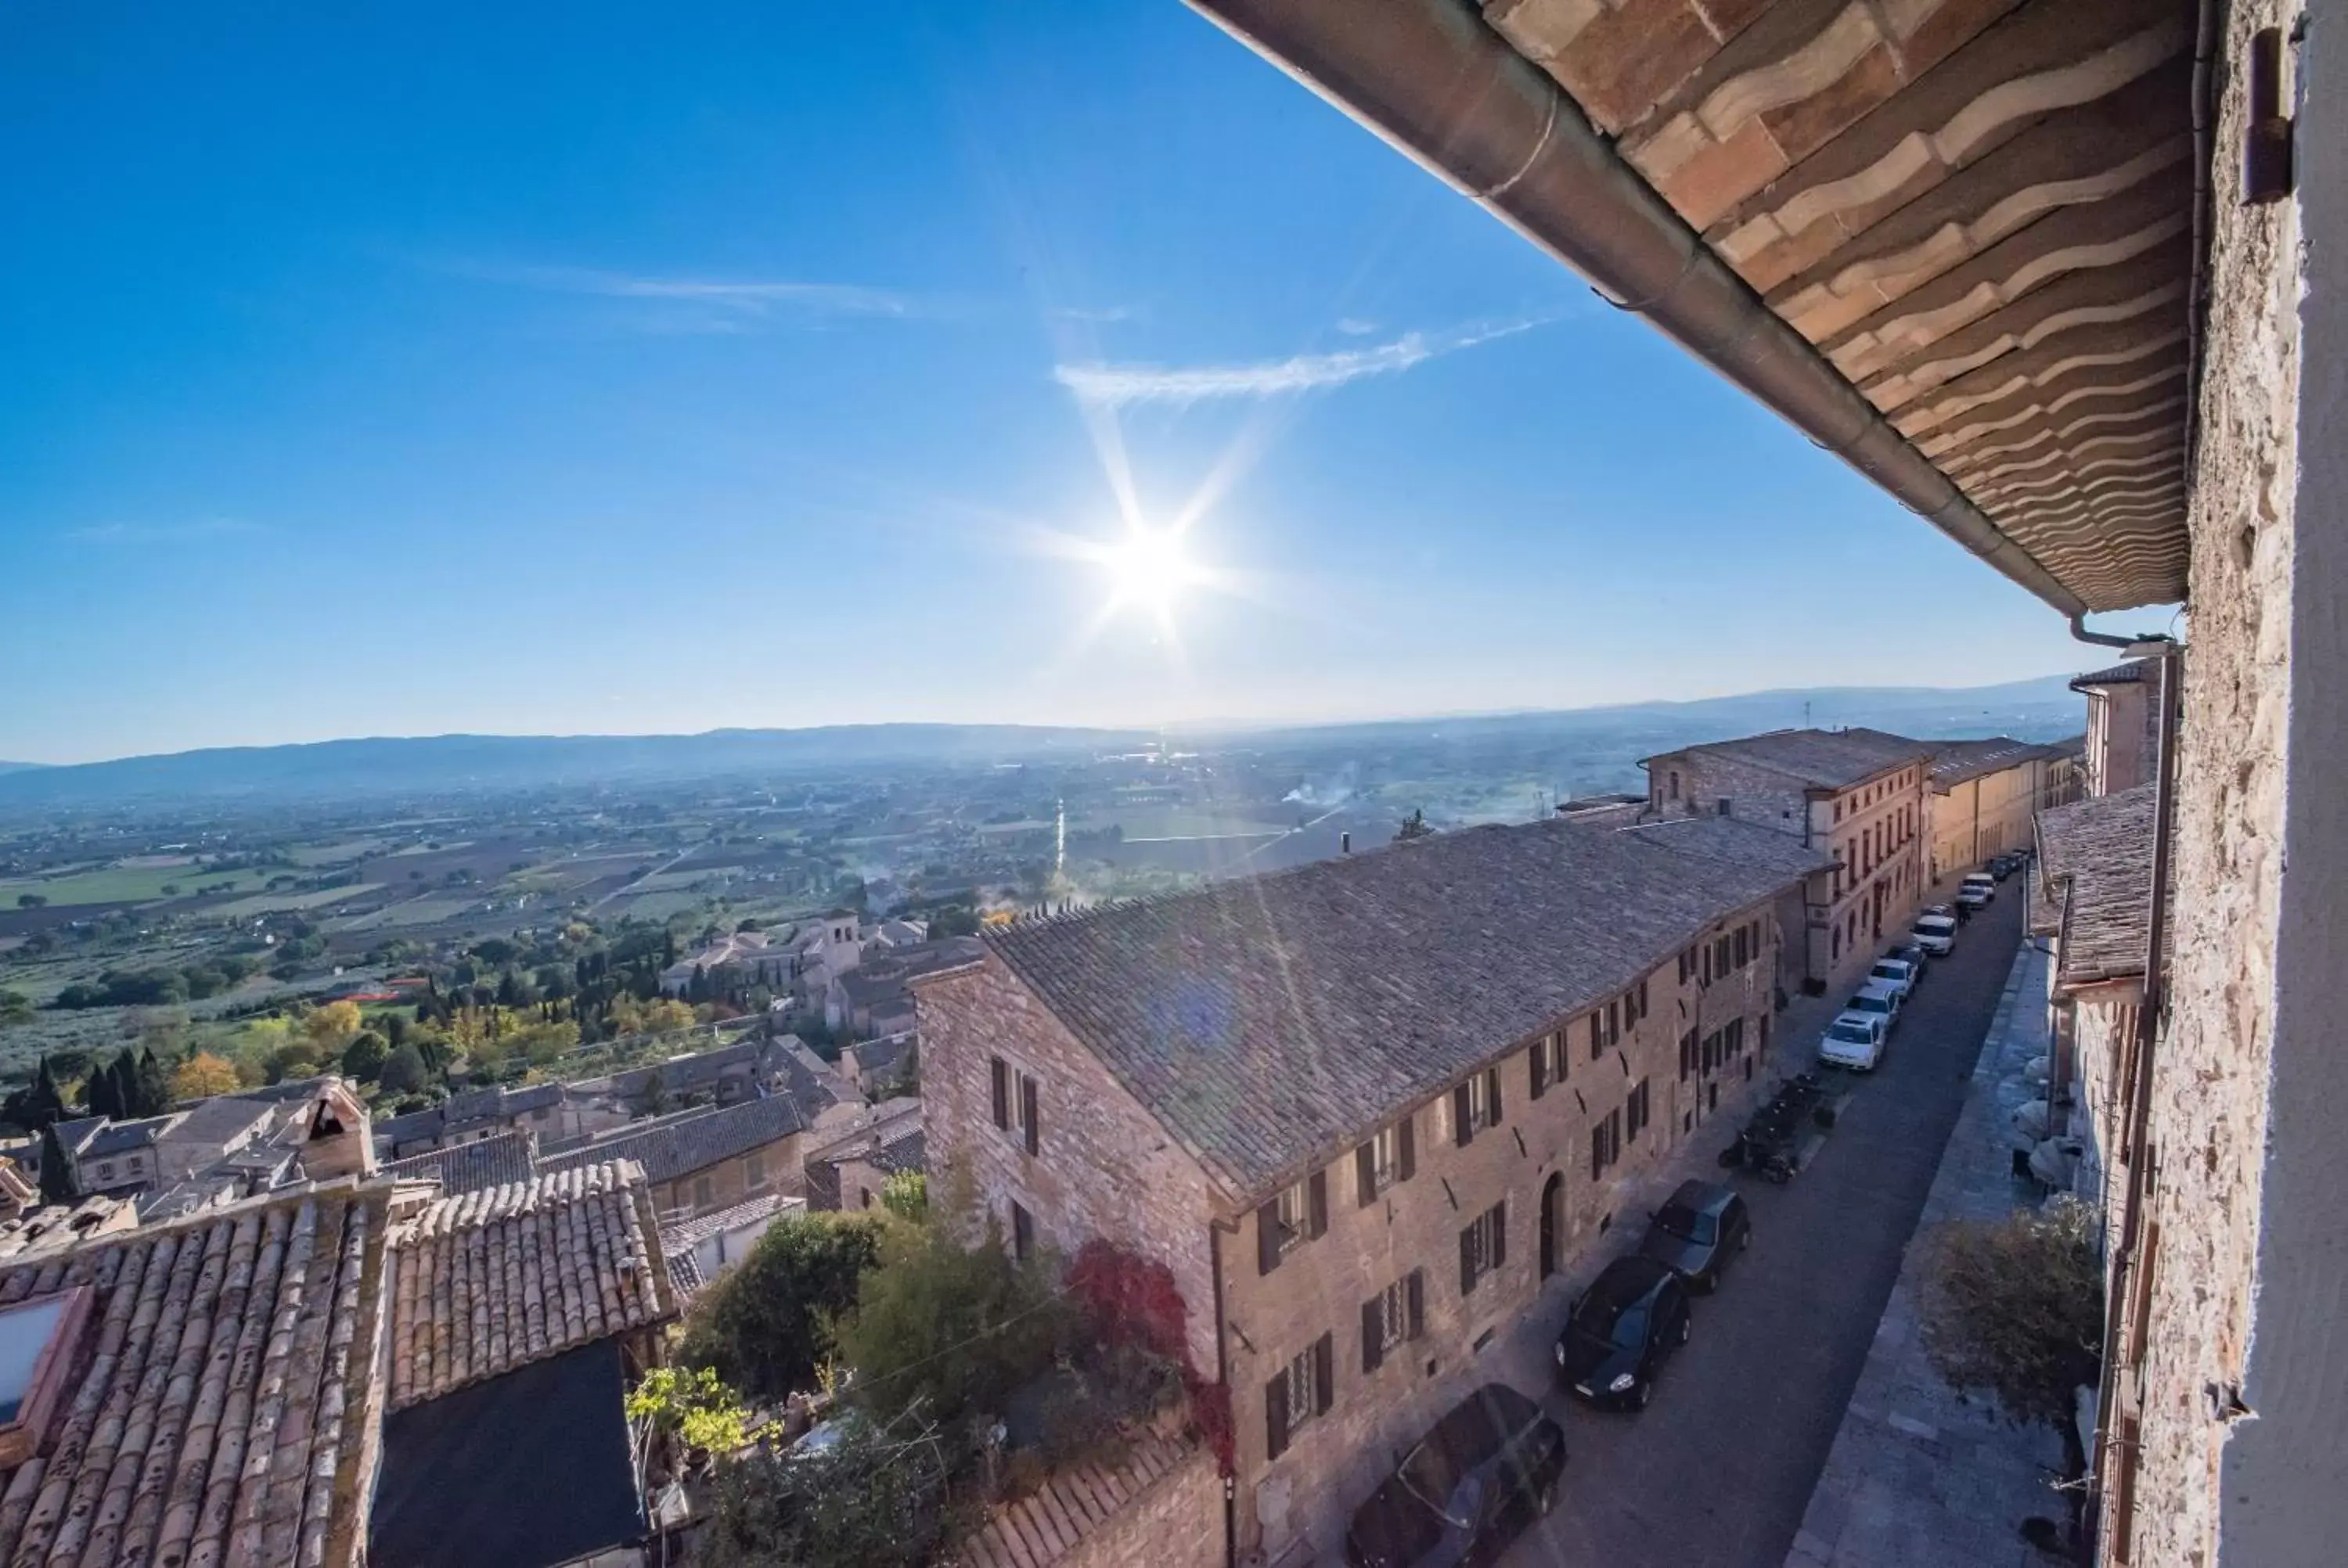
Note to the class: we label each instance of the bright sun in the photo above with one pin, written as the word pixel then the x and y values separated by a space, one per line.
pixel 1147 567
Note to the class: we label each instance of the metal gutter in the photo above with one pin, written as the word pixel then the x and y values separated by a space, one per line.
pixel 1432 79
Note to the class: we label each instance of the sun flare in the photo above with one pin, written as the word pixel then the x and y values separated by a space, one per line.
pixel 1147 567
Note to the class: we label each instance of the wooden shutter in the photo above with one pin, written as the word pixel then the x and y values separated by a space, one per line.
pixel 1324 1373
pixel 1500 1233
pixel 1374 1329
pixel 1492 1096
pixel 1407 1158
pixel 1316 1206
pixel 1597 1150
pixel 1267 1237
pixel 1537 1056
pixel 1275 1416
pixel 1002 1091
pixel 1467 1261
pixel 1460 1132
pixel 1415 1287
pixel 1365 1173
pixel 1027 1115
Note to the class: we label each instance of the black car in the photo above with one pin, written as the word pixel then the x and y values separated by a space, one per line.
pixel 1915 956
pixel 1486 1470
pixel 1623 1328
pixel 1698 1232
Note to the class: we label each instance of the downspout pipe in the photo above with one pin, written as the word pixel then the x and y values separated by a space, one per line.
pixel 1432 79
pixel 2135 1137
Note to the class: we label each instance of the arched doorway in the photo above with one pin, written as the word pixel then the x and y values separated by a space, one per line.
pixel 1552 1219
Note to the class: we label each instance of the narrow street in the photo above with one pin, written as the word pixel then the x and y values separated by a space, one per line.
pixel 1717 1473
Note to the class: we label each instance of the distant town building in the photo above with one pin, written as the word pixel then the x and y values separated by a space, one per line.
pixel 1857 795
pixel 472 1114
pixel 1984 795
pixel 701 1159
pixel 702 1248
pixel 1362 1108
pixel 848 1172
pixel 2123 725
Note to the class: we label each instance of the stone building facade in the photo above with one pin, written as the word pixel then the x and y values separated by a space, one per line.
pixel 1861 795
pixel 2232 1375
pixel 1983 798
pixel 2123 725
pixel 1351 1225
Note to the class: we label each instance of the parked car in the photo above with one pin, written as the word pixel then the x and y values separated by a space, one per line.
pixel 1936 934
pixel 1912 953
pixel 1978 888
pixel 1854 1041
pixel 1878 999
pixel 1623 1328
pixel 2005 865
pixel 1895 974
pixel 1487 1470
pixel 1698 1232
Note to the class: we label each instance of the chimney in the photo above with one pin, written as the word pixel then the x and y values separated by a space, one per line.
pixel 1344 844
pixel 340 1139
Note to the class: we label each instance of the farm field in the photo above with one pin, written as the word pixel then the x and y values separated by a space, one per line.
pixel 287 899
pixel 121 885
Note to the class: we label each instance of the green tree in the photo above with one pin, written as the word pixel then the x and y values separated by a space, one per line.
pixel 56 1176
pixel 906 1195
pixel 102 1095
pixel 30 900
pixel 364 1058
pixel 878 1498
pixel 692 1406
pixel 15 1007
pixel 1412 827
pixel 949 1324
pixel 403 1070
pixel 148 1085
pixel 2015 1306
pixel 762 1326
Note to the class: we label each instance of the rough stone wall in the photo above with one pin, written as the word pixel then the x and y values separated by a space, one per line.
pixel 1177 1523
pixel 1319 1286
pixel 1172 1519
pixel 2210 1080
pixel 1105 1167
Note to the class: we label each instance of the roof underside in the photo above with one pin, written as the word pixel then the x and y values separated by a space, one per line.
pixel 1978 212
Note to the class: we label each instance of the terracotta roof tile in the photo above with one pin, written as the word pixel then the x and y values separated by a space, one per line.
pixel 1827 758
pixel 223 1414
pixel 2095 858
pixel 1268 1020
pixel 490 1280
pixel 467 1167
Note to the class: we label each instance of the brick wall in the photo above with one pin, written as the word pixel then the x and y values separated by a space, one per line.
pixel 1103 1167
pixel 1321 1285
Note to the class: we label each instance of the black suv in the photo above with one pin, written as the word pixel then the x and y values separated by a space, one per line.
pixel 1697 1234
pixel 1487 1469
pixel 1623 1328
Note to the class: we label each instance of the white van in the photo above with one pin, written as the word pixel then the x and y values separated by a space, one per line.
pixel 1936 934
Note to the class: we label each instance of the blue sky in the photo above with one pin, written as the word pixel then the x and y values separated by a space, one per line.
pixel 413 369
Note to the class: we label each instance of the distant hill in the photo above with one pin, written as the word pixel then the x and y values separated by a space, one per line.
pixel 2032 710
pixel 452 763
pixel 8 767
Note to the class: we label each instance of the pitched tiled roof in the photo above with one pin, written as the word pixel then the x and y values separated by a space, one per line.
pixel 1052 1521
pixel 471 1105
pixel 1271 1019
pixel 1955 762
pixel 2128 674
pixel 2096 859
pixel 228 1397
pixel 673 1148
pixel 468 1167
pixel 1828 759
pixel 490 1280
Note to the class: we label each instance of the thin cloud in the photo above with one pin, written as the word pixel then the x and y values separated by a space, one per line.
pixel 1094 314
pixel 1354 326
pixel 164 533
pixel 745 298
pixel 1120 385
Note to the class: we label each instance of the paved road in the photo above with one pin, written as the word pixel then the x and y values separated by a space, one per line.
pixel 1716 1474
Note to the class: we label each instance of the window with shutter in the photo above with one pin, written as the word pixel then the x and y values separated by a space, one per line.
pixel 1324 1373
pixel 1030 1125
pixel 1316 1206
pixel 1405 1149
pixel 1463 1129
pixel 1491 1097
pixel 1268 1238
pixel 1001 1071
